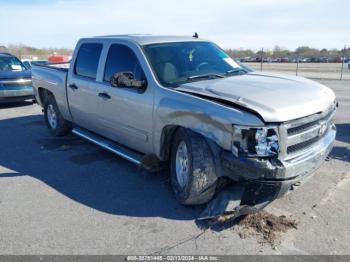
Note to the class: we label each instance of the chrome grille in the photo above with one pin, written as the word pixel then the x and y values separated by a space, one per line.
pixel 299 129
pixel 299 136
pixel 16 82
pixel 302 146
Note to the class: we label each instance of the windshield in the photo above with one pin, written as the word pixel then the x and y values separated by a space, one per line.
pixel 10 63
pixel 181 62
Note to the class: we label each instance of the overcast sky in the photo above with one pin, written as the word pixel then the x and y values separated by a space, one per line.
pixel 232 24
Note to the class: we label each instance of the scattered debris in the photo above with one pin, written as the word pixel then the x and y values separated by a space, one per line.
pixel 237 200
pixel 265 226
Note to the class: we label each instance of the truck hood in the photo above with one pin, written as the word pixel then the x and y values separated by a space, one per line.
pixel 275 97
pixel 15 74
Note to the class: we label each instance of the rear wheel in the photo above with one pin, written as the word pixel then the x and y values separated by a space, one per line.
pixel 193 176
pixel 57 125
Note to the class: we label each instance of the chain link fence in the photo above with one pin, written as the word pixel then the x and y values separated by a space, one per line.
pixel 310 63
pixel 310 70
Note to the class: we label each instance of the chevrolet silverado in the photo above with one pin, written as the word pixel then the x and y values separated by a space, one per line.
pixel 183 102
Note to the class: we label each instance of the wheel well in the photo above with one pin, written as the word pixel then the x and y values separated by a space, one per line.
pixel 167 138
pixel 166 141
pixel 44 94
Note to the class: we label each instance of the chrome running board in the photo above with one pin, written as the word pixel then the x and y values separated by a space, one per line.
pixel 121 151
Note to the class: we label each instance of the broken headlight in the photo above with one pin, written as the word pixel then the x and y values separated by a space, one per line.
pixel 255 141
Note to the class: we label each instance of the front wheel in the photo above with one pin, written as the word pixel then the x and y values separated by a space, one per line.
pixel 192 168
pixel 57 125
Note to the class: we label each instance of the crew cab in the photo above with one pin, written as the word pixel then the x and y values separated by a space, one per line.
pixel 183 103
pixel 15 79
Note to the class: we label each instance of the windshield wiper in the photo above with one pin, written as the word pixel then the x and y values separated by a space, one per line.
pixel 236 70
pixel 208 76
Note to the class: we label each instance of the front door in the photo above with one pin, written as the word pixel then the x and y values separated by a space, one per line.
pixel 125 113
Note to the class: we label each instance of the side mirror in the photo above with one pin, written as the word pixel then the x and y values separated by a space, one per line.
pixel 126 79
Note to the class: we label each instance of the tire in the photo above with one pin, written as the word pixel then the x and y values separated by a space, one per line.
pixel 199 185
pixel 57 125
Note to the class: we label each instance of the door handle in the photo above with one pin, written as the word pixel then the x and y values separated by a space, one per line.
pixel 104 95
pixel 73 86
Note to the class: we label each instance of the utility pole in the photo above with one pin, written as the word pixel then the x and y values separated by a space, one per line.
pixel 342 63
pixel 261 59
pixel 296 71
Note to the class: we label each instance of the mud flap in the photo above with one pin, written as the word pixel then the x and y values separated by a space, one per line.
pixel 240 199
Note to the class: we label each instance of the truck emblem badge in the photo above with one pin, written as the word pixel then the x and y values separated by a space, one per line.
pixel 323 128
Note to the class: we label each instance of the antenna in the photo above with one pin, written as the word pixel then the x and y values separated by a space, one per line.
pixel 195 35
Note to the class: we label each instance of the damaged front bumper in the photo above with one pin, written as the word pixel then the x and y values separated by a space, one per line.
pixel 260 181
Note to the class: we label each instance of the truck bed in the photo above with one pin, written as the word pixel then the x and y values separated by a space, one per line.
pixel 52 78
pixel 58 66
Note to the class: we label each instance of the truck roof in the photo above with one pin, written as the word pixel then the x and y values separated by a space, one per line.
pixel 145 39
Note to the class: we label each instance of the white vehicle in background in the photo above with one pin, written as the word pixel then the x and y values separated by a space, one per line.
pixel 29 62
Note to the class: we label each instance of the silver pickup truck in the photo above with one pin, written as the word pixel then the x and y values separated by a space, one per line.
pixel 182 102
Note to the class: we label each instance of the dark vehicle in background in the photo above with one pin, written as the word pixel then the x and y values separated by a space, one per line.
pixel 15 79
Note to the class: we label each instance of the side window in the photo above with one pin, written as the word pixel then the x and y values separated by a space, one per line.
pixel 121 58
pixel 87 60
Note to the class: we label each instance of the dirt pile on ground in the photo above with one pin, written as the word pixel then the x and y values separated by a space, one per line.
pixel 265 226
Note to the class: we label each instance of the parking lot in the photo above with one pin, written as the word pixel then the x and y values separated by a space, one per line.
pixel 67 196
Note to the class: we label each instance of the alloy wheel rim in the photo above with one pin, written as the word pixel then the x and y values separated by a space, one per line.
pixel 182 164
pixel 51 116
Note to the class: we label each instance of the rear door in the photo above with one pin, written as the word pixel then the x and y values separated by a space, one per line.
pixel 81 85
pixel 125 114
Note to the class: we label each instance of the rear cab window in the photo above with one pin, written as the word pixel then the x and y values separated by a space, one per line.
pixel 87 60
